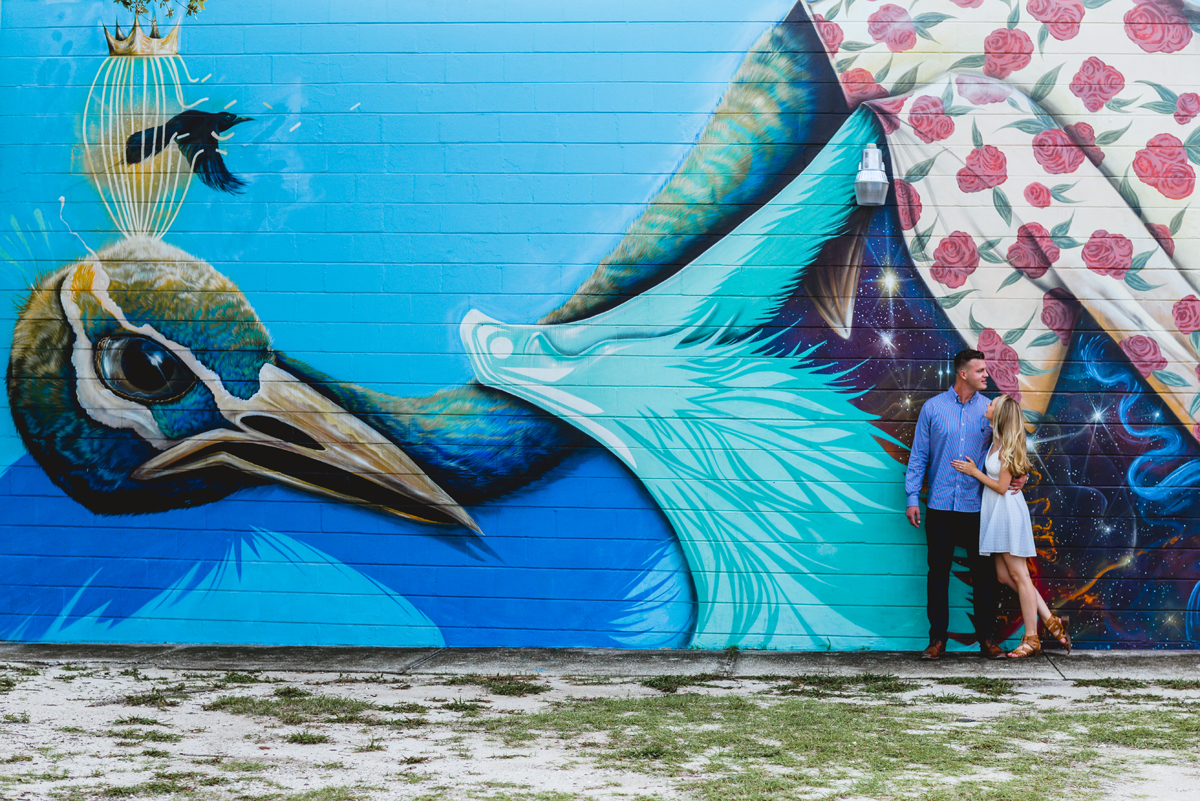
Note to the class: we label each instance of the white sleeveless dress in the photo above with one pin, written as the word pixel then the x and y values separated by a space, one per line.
pixel 1004 523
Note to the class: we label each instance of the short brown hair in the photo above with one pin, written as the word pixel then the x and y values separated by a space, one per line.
pixel 965 357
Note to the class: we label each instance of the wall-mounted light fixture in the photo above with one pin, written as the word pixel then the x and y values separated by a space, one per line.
pixel 871 185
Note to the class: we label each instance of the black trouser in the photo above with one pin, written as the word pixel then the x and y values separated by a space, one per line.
pixel 943 531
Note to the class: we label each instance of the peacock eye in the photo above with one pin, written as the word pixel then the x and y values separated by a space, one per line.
pixel 141 369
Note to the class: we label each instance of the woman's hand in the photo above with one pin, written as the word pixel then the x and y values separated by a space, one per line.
pixel 967 466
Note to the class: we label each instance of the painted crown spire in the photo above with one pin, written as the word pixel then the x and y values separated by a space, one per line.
pixel 138 43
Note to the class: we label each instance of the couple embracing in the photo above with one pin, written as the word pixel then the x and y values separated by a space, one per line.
pixel 974 454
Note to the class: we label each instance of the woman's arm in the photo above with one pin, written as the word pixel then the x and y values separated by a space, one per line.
pixel 967 466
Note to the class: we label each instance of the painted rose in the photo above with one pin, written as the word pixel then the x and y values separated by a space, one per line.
pixel 1034 251
pixel 908 204
pixel 986 167
pixel 1096 83
pixel 1061 17
pixel 830 33
pixel 886 112
pixel 1003 364
pixel 1038 195
pixel 1187 106
pixel 1162 234
pixel 892 25
pixel 981 90
pixel 1006 52
pixel 1059 312
pixel 928 119
pixel 1108 254
pixel 1158 26
pixel 1055 151
pixel 859 86
pixel 967 3
pixel 1144 353
pixel 1084 136
pixel 1163 165
pixel 955 258
pixel 1187 314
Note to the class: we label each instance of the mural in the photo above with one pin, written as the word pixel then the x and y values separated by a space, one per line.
pixel 399 431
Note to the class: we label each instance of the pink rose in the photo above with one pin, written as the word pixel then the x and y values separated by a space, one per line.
pixel 1187 314
pixel 1158 26
pixel 1061 17
pixel 1034 251
pixel 1108 254
pixel 908 204
pixel 981 90
pixel 1196 428
pixel 1059 312
pixel 859 86
pixel 1162 234
pixel 1187 106
pixel 1038 195
pixel 1084 136
pixel 1006 52
pixel 955 258
pixel 967 3
pixel 892 24
pixel 886 111
pixel 1096 83
pixel 1057 154
pixel 830 33
pixel 1003 365
pixel 986 167
pixel 1163 165
pixel 1144 353
pixel 928 118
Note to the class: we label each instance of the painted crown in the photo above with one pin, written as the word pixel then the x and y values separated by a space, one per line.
pixel 137 43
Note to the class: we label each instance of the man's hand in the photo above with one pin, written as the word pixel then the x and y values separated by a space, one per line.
pixel 913 513
pixel 1016 484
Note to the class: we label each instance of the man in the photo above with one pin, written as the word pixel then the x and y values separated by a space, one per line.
pixel 952 426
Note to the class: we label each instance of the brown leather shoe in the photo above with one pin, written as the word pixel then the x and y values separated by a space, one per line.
pixel 935 650
pixel 990 649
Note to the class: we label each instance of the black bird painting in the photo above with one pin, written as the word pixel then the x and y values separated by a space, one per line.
pixel 198 136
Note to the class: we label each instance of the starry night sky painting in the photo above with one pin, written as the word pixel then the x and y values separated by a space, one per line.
pixel 461 326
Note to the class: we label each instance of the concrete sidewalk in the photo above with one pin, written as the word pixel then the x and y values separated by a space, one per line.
pixel 1052 665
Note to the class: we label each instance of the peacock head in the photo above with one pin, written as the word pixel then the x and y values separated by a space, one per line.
pixel 141 380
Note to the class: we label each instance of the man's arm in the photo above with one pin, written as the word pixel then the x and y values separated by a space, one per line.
pixel 918 462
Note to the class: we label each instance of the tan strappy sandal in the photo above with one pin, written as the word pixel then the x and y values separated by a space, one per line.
pixel 1030 646
pixel 1057 627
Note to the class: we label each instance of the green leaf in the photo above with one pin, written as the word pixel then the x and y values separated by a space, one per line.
pixel 907 81
pixel 950 301
pixel 929 19
pixel 1003 207
pixel 1064 227
pixel 1139 261
pixel 1196 341
pixel 883 73
pixel 1195 407
pixel 1108 137
pixel 969 62
pixel 1059 192
pixel 1121 106
pixel 1043 33
pixel 1012 101
pixel 976 327
pixel 919 170
pixel 957 111
pixel 1048 338
pixel 976 136
pixel 1032 127
pixel 1044 85
pixel 922 237
pixel 845 63
pixel 1129 195
pixel 1163 92
pixel 1066 242
pixel 1016 333
pixel 1194 139
pixel 1010 279
pixel 1169 378
pixel 924 34
pixel 1176 221
pixel 1192 146
pixel 1035 418
pixel 948 95
pixel 987 252
pixel 833 12
pixel 1015 16
pixel 1028 369
pixel 1135 281
pixel 1159 107
pixel 854 47
pixel 1088 3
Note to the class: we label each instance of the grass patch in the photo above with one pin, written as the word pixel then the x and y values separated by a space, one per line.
pixel 327 794
pixel 245 766
pixel 308 738
pixel 135 720
pixel 7 683
pixel 163 783
pixel 459 705
pixel 158 697
pixel 16 758
pixel 373 745
pixel 237 677
pixel 1110 684
pixel 406 708
pixel 292 706
pixel 981 684
pixel 513 685
pixel 156 754
pixel 958 698
pixel 1179 684
pixel 673 684
pixel 137 736
pixel 20 717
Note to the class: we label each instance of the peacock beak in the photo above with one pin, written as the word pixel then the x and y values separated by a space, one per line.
pixel 288 433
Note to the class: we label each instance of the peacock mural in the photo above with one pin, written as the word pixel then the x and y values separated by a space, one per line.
pixel 698 442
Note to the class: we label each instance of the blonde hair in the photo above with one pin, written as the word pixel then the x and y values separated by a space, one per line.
pixel 1008 422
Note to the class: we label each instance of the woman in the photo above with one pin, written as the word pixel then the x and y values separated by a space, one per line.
pixel 1005 529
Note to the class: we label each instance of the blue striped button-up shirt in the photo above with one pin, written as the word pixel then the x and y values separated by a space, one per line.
pixel 948 429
